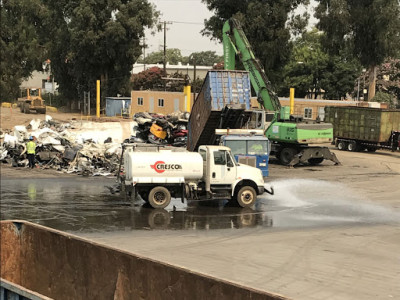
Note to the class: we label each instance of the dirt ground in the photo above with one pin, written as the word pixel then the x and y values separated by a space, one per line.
pixel 339 262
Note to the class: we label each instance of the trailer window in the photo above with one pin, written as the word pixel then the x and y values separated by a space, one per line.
pixel 140 101
pixel 237 147
pixel 219 158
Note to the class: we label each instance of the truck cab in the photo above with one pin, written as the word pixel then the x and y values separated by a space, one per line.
pixel 251 150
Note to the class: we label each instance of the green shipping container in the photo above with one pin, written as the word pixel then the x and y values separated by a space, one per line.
pixel 363 123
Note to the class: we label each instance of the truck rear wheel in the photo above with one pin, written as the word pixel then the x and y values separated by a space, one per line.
pixel 246 196
pixel 159 197
pixel 341 145
pixel 352 146
pixel 287 155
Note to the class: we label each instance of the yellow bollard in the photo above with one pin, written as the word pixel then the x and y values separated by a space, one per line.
pixel 291 101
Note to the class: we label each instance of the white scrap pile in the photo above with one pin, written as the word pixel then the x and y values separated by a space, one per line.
pixel 62 146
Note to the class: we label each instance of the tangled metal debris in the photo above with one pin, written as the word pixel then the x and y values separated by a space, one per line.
pixel 69 148
pixel 159 129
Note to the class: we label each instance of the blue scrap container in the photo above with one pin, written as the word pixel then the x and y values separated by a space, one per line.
pixel 115 106
pixel 221 90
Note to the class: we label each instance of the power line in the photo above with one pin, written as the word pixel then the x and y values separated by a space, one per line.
pixel 192 23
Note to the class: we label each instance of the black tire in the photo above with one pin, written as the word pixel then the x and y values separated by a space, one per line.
pixel 27 108
pixel 246 196
pixel 287 155
pixel 159 197
pixel 352 146
pixel 315 161
pixel 342 145
pixel 21 108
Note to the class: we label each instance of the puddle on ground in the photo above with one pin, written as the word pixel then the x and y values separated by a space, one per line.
pixel 86 205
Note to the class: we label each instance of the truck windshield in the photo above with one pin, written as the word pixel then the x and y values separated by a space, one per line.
pixel 258 147
pixel 237 147
pixel 34 92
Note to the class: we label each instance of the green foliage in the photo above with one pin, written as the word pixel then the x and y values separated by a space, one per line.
pixel 266 24
pixel 370 28
pixel 91 40
pixel 173 56
pixel 340 76
pixel 21 49
pixel 383 97
pixel 205 58
pixel 311 69
pixel 306 65
pixel 388 78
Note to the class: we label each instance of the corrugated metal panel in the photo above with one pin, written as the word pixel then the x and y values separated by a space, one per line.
pixel 362 123
pixel 220 89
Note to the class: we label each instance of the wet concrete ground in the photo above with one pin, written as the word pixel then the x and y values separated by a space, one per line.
pixel 79 204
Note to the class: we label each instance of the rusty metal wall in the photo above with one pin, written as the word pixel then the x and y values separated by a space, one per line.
pixel 62 266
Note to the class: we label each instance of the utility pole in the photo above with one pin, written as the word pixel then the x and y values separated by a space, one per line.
pixel 194 79
pixel 144 54
pixel 165 49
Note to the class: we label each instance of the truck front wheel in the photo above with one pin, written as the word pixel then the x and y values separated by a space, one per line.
pixel 159 197
pixel 246 196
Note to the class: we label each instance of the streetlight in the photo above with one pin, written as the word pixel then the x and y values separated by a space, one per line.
pixel 358 86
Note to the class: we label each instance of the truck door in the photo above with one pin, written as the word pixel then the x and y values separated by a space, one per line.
pixel 223 168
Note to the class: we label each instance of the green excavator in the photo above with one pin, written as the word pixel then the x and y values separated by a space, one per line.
pixel 290 136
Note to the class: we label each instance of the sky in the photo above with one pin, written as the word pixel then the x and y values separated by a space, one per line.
pixel 187 17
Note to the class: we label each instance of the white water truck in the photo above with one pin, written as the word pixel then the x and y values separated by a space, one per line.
pixel 212 173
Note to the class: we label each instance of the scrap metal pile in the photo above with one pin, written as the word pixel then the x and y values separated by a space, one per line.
pixel 69 148
pixel 160 130
pixel 59 147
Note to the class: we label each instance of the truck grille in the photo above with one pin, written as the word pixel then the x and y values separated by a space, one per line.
pixel 247 160
pixel 36 102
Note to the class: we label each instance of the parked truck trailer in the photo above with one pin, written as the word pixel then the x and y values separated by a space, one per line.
pixel 364 128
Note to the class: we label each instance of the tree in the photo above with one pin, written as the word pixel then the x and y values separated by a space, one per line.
pixel 149 79
pixel 266 24
pixel 21 48
pixel 205 58
pixel 173 56
pixel 312 69
pixel 369 27
pixel 307 64
pixel 91 40
pixel 388 78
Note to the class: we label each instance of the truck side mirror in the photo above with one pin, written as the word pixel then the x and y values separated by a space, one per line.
pixel 230 164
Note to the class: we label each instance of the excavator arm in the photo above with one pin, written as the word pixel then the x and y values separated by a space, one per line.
pixel 235 44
